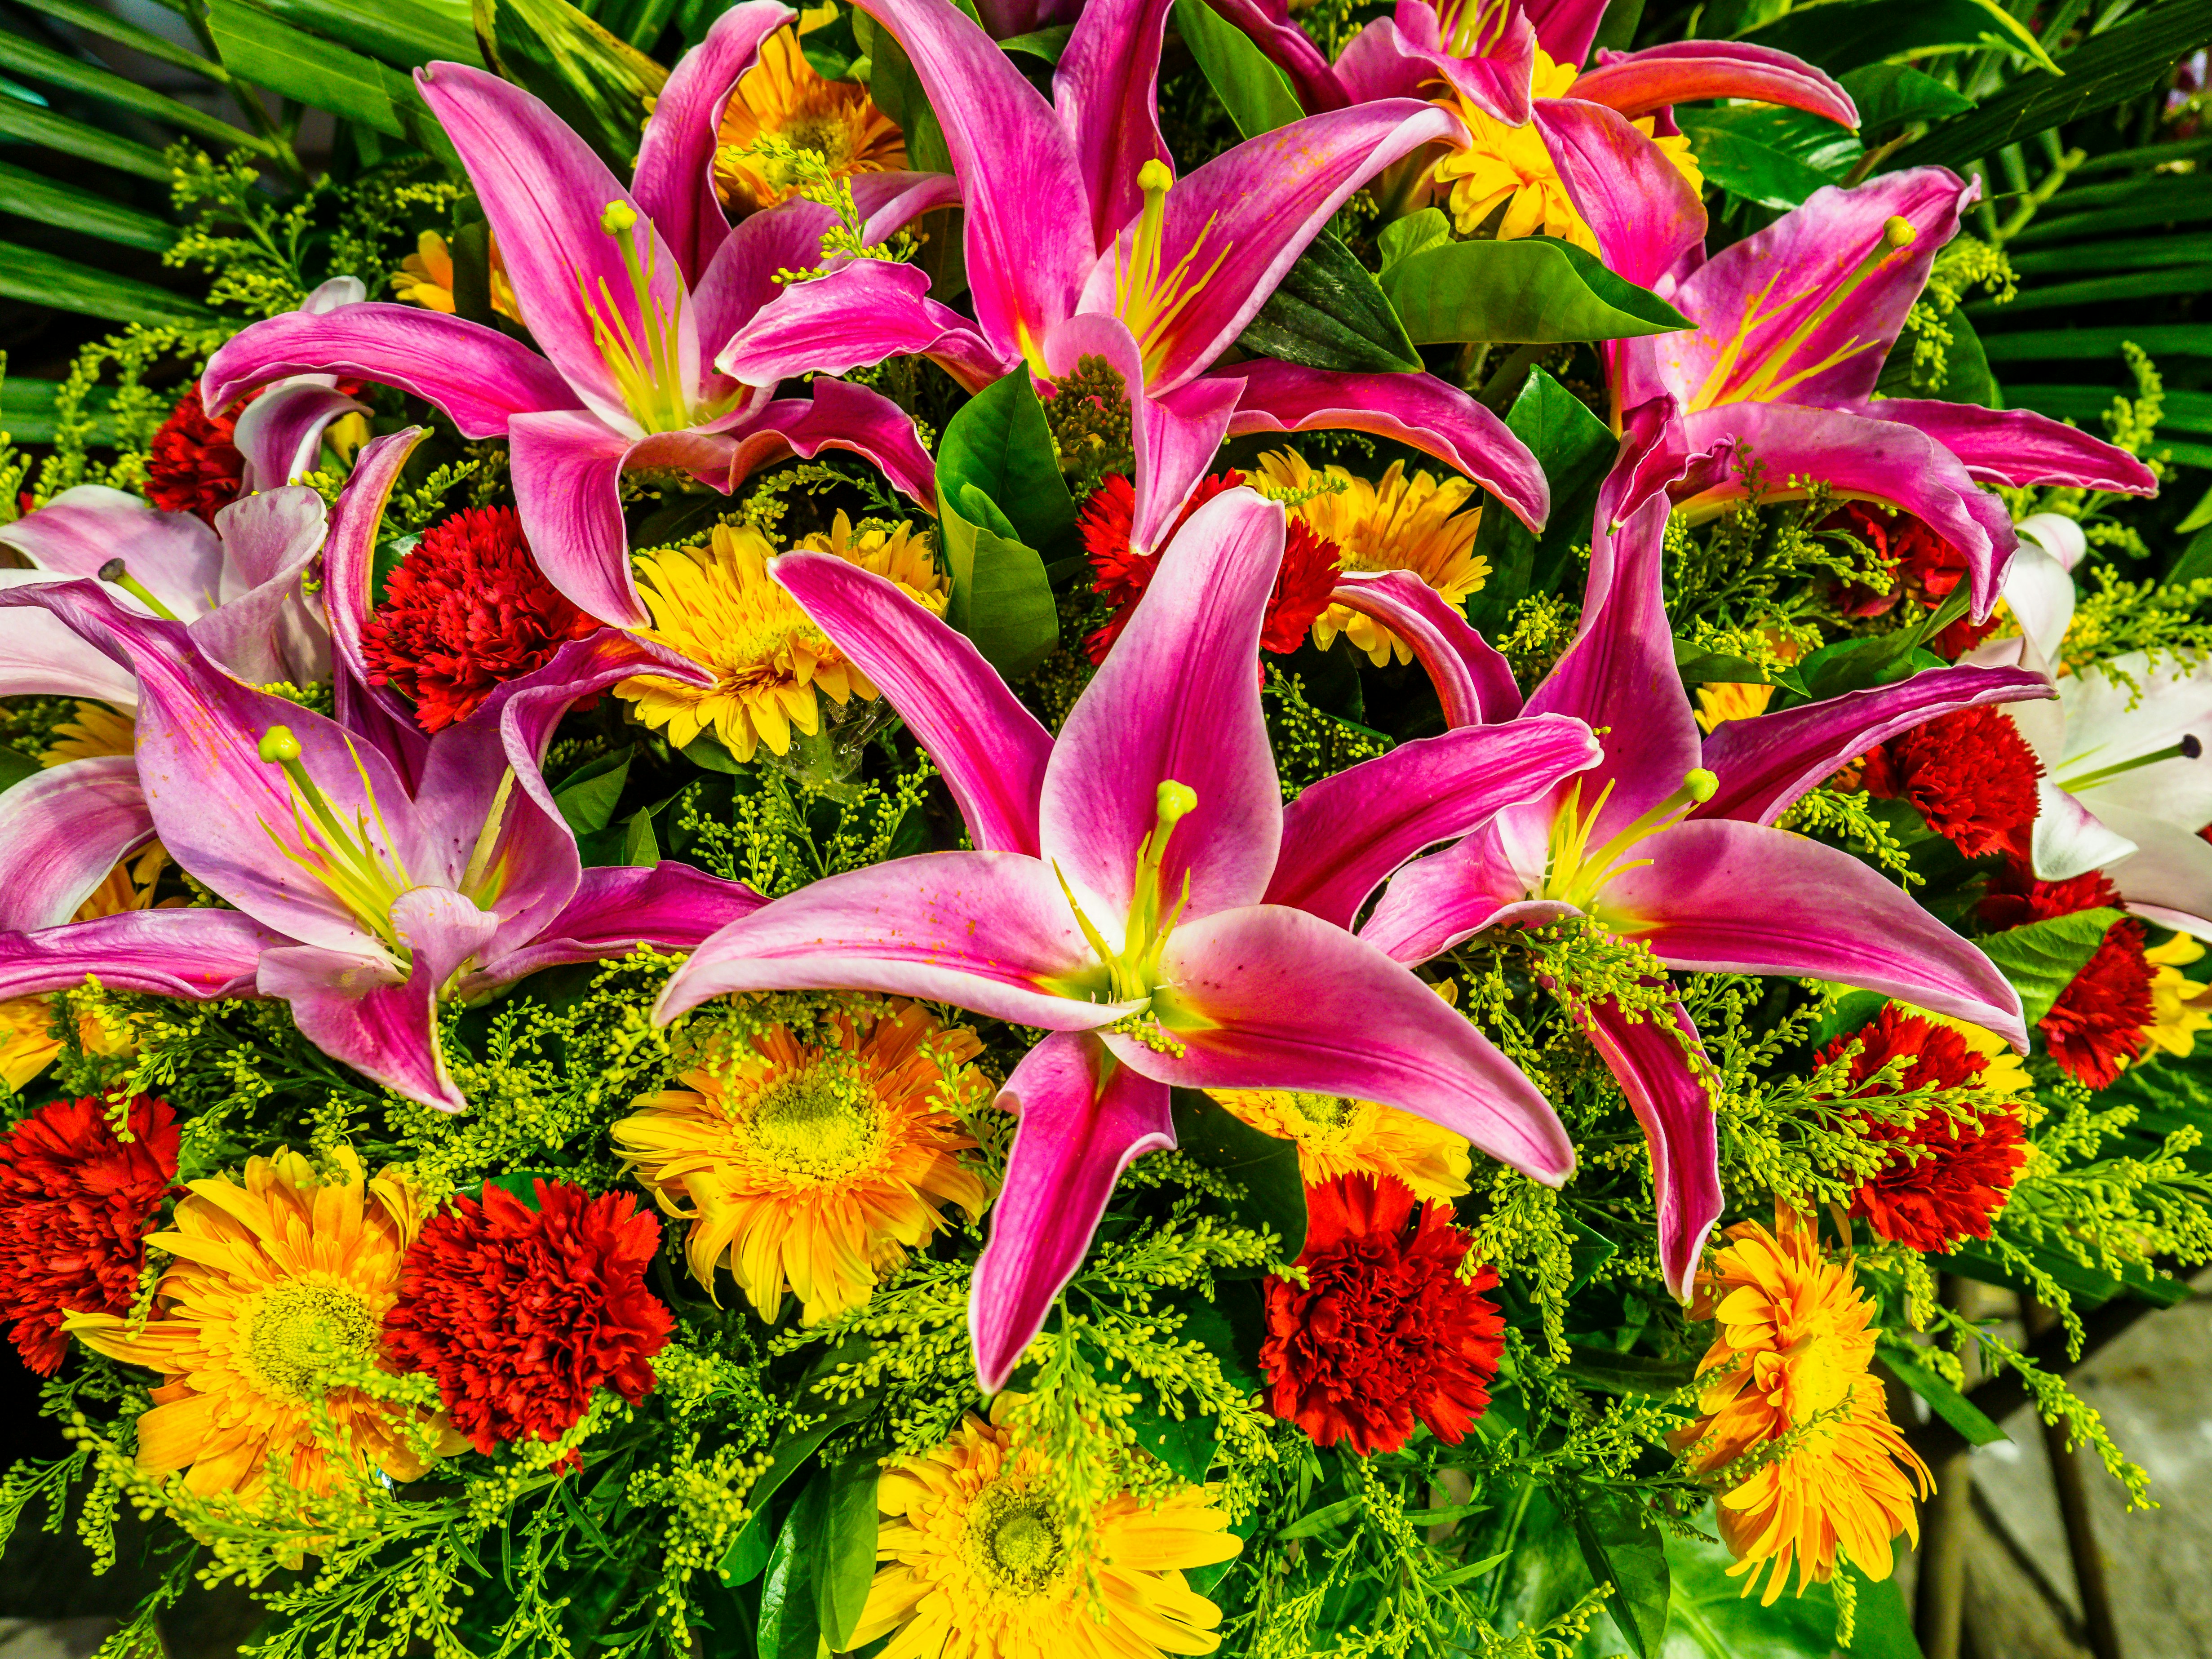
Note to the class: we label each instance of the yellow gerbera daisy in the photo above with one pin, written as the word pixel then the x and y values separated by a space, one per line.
pixel 425 278
pixel 1794 1421
pixel 1340 1136
pixel 820 1161
pixel 1721 702
pixel 278 1278
pixel 718 606
pixel 1511 165
pixel 977 1564
pixel 2180 1006
pixel 96 732
pixel 781 97
pixel 1421 524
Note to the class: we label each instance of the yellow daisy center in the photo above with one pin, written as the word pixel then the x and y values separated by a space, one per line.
pixel 782 98
pixel 1014 1542
pixel 819 1125
pixel 296 1330
pixel 1339 1135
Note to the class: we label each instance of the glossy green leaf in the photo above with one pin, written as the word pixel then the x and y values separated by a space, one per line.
pixel 998 443
pixel 1256 94
pixel 2041 958
pixel 34 125
pixel 790 1627
pixel 641 23
pixel 23 56
pixel 2057 344
pixel 640 847
pixel 14 767
pixel 1890 96
pixel 1749 153
pixel 93 20
pixel 405 33
pixel 1906 1363
pixel 317 72
pixel 1852 1012
pixel 1416 232
pixel 845 1547
pixel 1709 1617
pixel 1626 1373
pixel 1623 1546
pixel 748 1551
pixel 2088 1286
pixel 1328 313
pixel 1961 377
pixel 2103 290
pixel 896 90
pixel 34 196
pixel 1315 1522
pixel 596 83
pixel 30 412
pixel 1535 291
pixel 1048 43
pixel 2132 204
pixel 1854 664
pixel 47 279
pixel 1575 448
pixel 1001 600
pixel 1266 1168
pixel 587 797
pixel 1847 34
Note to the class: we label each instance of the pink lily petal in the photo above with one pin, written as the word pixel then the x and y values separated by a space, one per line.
pixel 280 434
pixel 1645 214
pixel 543 189
pixel 1102 93
pixel 348 570
pixel 891 201
pixel 674 183
pixel 177 557
pixel 838 416
pixel 1447 898
pixel 1564 28
pixel 1405 55
pixel 1344 836
pixel 1028 240
pixel 1085 1118
pixel 356 1010
pixel 1765 764
pixel 481 378
pixel 990 750
pixel 62 830
pixel 264 631
pixel 2167 878
pixel 1662 1072
pixel 1815 913
pixel 41 656
pixel 861 313
pixel 1413 408
pixel 620 908
pixel 977 930
pixel 196 955
pixel 567 468
pixel 1474 683
pixel 1292 1002
pixel 1291 49
pixel 2019 447
pixel 1639 83
pixel 1242 220
pixel 1196 630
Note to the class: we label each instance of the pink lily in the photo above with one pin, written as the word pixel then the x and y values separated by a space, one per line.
pixel 1140 892
pixel 629 294
pixel 1775 385
pixel 1669 841
pixel 367 884
pixel 1081 243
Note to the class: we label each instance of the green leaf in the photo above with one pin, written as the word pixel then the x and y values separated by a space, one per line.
pixel 749 1551
pixel 1048 43
pixel 1855 663
pixel 1626 1373
pixel 1324 1519
pixel 1714 667
pixel 2126 61
pixel 599 84
pixel 2041 958
pixel 2053 344
pixel 34 196
pixel 47 279
pixel 94 20
pixel 1328 313
pixel 1746 164
pixel 14 767
pixel 1853 1012
pixel 1268 1169
pixel 845 1546
pixel 1624 1547
pixel 29 58
pixel 999 442
pixel 587 796
pixel 2086 1286
pixel 1535 291
pixel 1575 449
pixel 789 1628
pixel 1947 1402
pixel 641 848
pixel 1256 94
pixel 1963 377
pixel 1897 96
pixel 896 90
pixel 1847 34
pixel 320 72
pixel 405 33
pixel 1708 1616
pixel 705 751
pixel 35 125
pixel 1416 232
pixel 1001 598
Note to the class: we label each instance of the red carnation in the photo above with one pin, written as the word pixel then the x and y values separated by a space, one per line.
pixel 1950 1174
pixel 1386 1330
pixel 1923 566
pixel 1120 573
pixel 75 1206
pixel 1971 775
pixel 519 1313
pixel 2098 1023
pixel 466 609
pixel 193 464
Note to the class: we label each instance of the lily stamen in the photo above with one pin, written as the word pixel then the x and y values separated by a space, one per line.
pixel 115 573
pixel 351 863
pixel 645 369
pixel 1576 874
pixel 2190 748
pixel 1766 383
pixel 1149 299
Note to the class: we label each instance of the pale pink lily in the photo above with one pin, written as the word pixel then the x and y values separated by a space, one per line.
pixel 1670 844
pixel 1140 892
pixel 1775 385
pixel 629 294
pixel 368 883
pixel 1081 243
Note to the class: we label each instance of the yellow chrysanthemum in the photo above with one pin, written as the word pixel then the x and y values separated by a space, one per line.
pixel 278 1279
pixel 718 606
pixel 1722 701
pixel 820 1162
pixel 1794 1426
pixel 782 98
pixel 1421 524
pixel 1510 165
pixel 977 1563
pixel 1338 1136
pixel 27 1045
pixel 425 278
pixel 2180 1006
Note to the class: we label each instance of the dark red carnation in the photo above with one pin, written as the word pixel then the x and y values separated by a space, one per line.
pixel 1923 570
pixel 2097 1026
pixel 193 464
pixel 1385 1331
pixel 519 1313
pixel 75 1203
pixel 1950 1174
pixel 1970 773
pixel 466 609
pixel 1120 573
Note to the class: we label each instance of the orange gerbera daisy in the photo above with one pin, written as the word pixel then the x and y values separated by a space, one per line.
pixel 279 1279
pixel 1338 1136
pixel 781 97
pixel 817 1159
pixel 1795 1429
pixel 978 1564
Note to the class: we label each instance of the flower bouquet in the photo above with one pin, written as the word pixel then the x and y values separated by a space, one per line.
pixel 1113 829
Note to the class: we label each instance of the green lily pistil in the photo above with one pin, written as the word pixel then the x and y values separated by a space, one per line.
pixel 1132 973
pixel 1577 870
